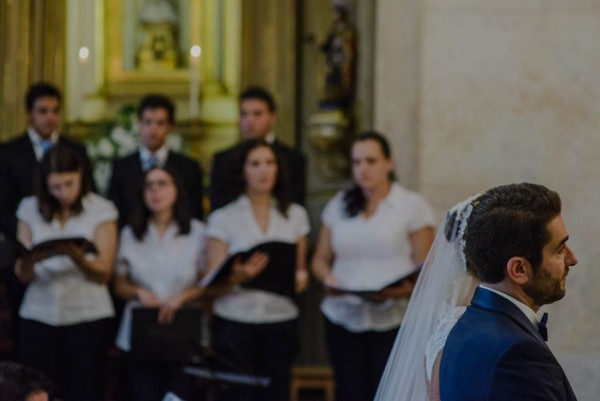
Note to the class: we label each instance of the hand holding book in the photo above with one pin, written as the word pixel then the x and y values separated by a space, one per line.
pixel 400 288
pixel 268 266
pixel 247 270
pixel 75 247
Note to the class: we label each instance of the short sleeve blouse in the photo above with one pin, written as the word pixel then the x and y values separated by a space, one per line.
pixel 61 294
pixel 236 225
pixel 166 266
pixel 370 253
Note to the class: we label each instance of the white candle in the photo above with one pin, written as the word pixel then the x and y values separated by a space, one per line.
pixel 84 54
pixel 195 52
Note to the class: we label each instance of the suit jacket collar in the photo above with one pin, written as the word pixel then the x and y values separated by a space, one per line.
pixel 162 155
pixel 488 300
pixel 27 153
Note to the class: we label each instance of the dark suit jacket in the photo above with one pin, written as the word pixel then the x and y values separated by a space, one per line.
pixel 17 168
pixel 495 353
pixel 220 184
pixel 126 183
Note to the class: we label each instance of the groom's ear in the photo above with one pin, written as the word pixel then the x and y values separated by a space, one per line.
pixel 518 270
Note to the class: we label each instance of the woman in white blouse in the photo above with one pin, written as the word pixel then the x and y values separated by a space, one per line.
pixel 158 266
pixel 372 234
pixel 67 308
pixel 254 329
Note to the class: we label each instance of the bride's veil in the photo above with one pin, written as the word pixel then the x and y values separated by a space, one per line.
pixel 441 286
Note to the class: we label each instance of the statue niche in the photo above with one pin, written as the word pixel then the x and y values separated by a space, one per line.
pixel 160 22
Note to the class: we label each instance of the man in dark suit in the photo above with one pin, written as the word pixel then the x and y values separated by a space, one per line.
pixel 157 117
pixel 19 159
pixel 257 120
pixel 517 242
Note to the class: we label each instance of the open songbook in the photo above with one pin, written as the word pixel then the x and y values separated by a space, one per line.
pixel 278 276
pixel 178 341
pixel 52 247
pixel 368 294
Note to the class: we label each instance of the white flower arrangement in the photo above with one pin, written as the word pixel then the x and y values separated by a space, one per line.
pixel 122 138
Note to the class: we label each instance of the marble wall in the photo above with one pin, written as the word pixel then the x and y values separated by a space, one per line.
pixel 506 92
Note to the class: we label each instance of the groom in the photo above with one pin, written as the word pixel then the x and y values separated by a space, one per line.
pixel 517 242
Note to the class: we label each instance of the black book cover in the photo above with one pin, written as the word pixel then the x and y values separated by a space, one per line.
pixel 177 342
pixel 52 246
pixel 368 294
pixel 278 276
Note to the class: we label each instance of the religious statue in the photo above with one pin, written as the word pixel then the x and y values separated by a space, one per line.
pixel 338 88
pixel 158 50
pixel 330 128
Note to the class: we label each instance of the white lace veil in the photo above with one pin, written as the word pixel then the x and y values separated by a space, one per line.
pixel 441 287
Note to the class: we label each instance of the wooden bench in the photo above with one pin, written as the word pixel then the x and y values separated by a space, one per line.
pixel 313 378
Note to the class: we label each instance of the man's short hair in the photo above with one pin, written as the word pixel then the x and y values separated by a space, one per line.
pixel 258 93
pixel 157 102
pixel 39 90
pixel 19 382
pixel 508 221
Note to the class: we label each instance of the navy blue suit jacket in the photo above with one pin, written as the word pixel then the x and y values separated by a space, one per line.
pixel 494 353
pixel 125 187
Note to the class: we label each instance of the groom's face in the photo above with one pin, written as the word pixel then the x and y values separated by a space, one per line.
pixel 548 282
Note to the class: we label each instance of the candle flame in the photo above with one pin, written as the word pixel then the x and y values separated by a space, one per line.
pixel 84 53
pixel 195 51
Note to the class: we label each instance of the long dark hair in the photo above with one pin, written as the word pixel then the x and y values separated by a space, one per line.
pixel 354 197
pixel 235 174
pixel 182 213
pixel 59 159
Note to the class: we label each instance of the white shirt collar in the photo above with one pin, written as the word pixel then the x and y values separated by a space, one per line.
pixel 245 202
pixel 161 154
pixel 394 195
pixel 169 233
pixel 270 138
pixel 533 317
pixel 35 139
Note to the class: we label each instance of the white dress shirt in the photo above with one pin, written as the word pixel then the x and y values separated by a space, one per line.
pixel 61 294
pixel 531 315
pixel 236 225
pixel 370 253
pixel 37 140
pixel 166 266
pixel 160 155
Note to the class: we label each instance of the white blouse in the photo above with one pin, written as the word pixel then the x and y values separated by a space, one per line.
pixel 61 294
pixel 370 253
pixel 236 225
pixel 166 266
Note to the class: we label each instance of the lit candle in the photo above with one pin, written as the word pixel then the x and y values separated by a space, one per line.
pixel 195 52
pixel 84 54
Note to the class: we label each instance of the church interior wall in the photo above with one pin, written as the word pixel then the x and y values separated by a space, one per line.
pixel 472 94
pixel 505 92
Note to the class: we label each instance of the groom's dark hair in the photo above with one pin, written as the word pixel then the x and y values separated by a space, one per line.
pixel 508 221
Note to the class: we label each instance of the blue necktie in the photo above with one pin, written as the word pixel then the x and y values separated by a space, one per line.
pixel 45 145
pixel 150 162
pixel 542 326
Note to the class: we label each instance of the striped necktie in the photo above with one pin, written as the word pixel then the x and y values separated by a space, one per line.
pixel 150 162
